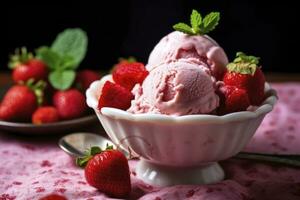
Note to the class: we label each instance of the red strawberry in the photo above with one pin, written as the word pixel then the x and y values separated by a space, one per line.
pixel 124 61
pixel 26 67
pixel 45 114
pixel 53 197
pixel 85 77
pixel 21 101
pixel 127 74
pixel 108 171
pixel 70 103
pixel 233 99
pixel 115 96
pixel 244 73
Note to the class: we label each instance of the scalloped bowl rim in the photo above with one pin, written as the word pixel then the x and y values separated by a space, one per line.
pixel 266 107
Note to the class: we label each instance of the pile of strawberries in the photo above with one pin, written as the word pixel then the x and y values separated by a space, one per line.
pixel 32 97
pixel 117 94
pixel 244 84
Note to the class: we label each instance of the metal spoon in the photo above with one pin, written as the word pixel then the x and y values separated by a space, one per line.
pixel 76 144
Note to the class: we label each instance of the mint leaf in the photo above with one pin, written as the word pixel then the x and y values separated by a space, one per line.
pixel 54 60
pixel 199 26
pixel 62 80
pixel 72 43
pixel 210 22
pixel 68 62
pixel 182 27
pixel 196 20
pixel 51 58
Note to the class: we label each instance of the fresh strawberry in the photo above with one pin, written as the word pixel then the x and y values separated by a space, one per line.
pixel 233 99
pixel 244 73
pixel 45 114
pixel 84 78
pixel 70 103
pixel 123 61
pixel 26 67
pixel 53 197
pixel 115 96
pixel 107 170
pixel 21 101
pixel 127 74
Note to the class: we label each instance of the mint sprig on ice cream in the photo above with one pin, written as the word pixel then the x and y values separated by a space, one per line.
pixel 199 25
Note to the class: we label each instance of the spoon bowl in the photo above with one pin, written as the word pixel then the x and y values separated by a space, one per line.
pixel 76 144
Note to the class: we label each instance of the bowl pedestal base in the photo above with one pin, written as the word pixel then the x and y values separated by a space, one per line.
pixel 161 176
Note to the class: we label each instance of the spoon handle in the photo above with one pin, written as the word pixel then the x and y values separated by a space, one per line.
pixel 70 149
pixel 291 160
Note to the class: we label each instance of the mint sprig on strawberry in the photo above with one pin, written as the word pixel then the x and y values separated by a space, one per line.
pixel 64 56
pixel 199 25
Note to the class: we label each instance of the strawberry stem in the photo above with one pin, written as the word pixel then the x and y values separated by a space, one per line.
pixel 38 89
pixel 130 59
pixel 89 154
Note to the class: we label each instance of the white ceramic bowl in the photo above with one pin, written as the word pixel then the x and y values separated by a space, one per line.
pixel 180 150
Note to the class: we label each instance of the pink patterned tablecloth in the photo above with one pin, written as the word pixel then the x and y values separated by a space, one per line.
pixel 34 167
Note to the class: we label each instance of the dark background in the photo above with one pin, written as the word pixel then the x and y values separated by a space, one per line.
pixel 267 29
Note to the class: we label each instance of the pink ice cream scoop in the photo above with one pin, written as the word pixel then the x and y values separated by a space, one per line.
pixel 176 88
pixel 197 48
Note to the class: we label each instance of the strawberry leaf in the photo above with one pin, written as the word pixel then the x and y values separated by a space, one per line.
pixel 38 89
pixel 62 80
pixel 130 59
pixel 242 57
pixel 243 64
pixel 89 154
pixel 21 56
pixel 95 150
pixel 82 161
pixel 109 147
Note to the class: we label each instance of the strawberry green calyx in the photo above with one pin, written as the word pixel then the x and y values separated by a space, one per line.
pixel 199 26
pixel 21 56
pixel 130 59
pixel 89 154
pixel 38 89
pixel 243 64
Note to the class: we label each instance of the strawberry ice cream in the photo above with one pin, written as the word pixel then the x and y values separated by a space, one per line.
pixel 176 88
pixel 197 48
